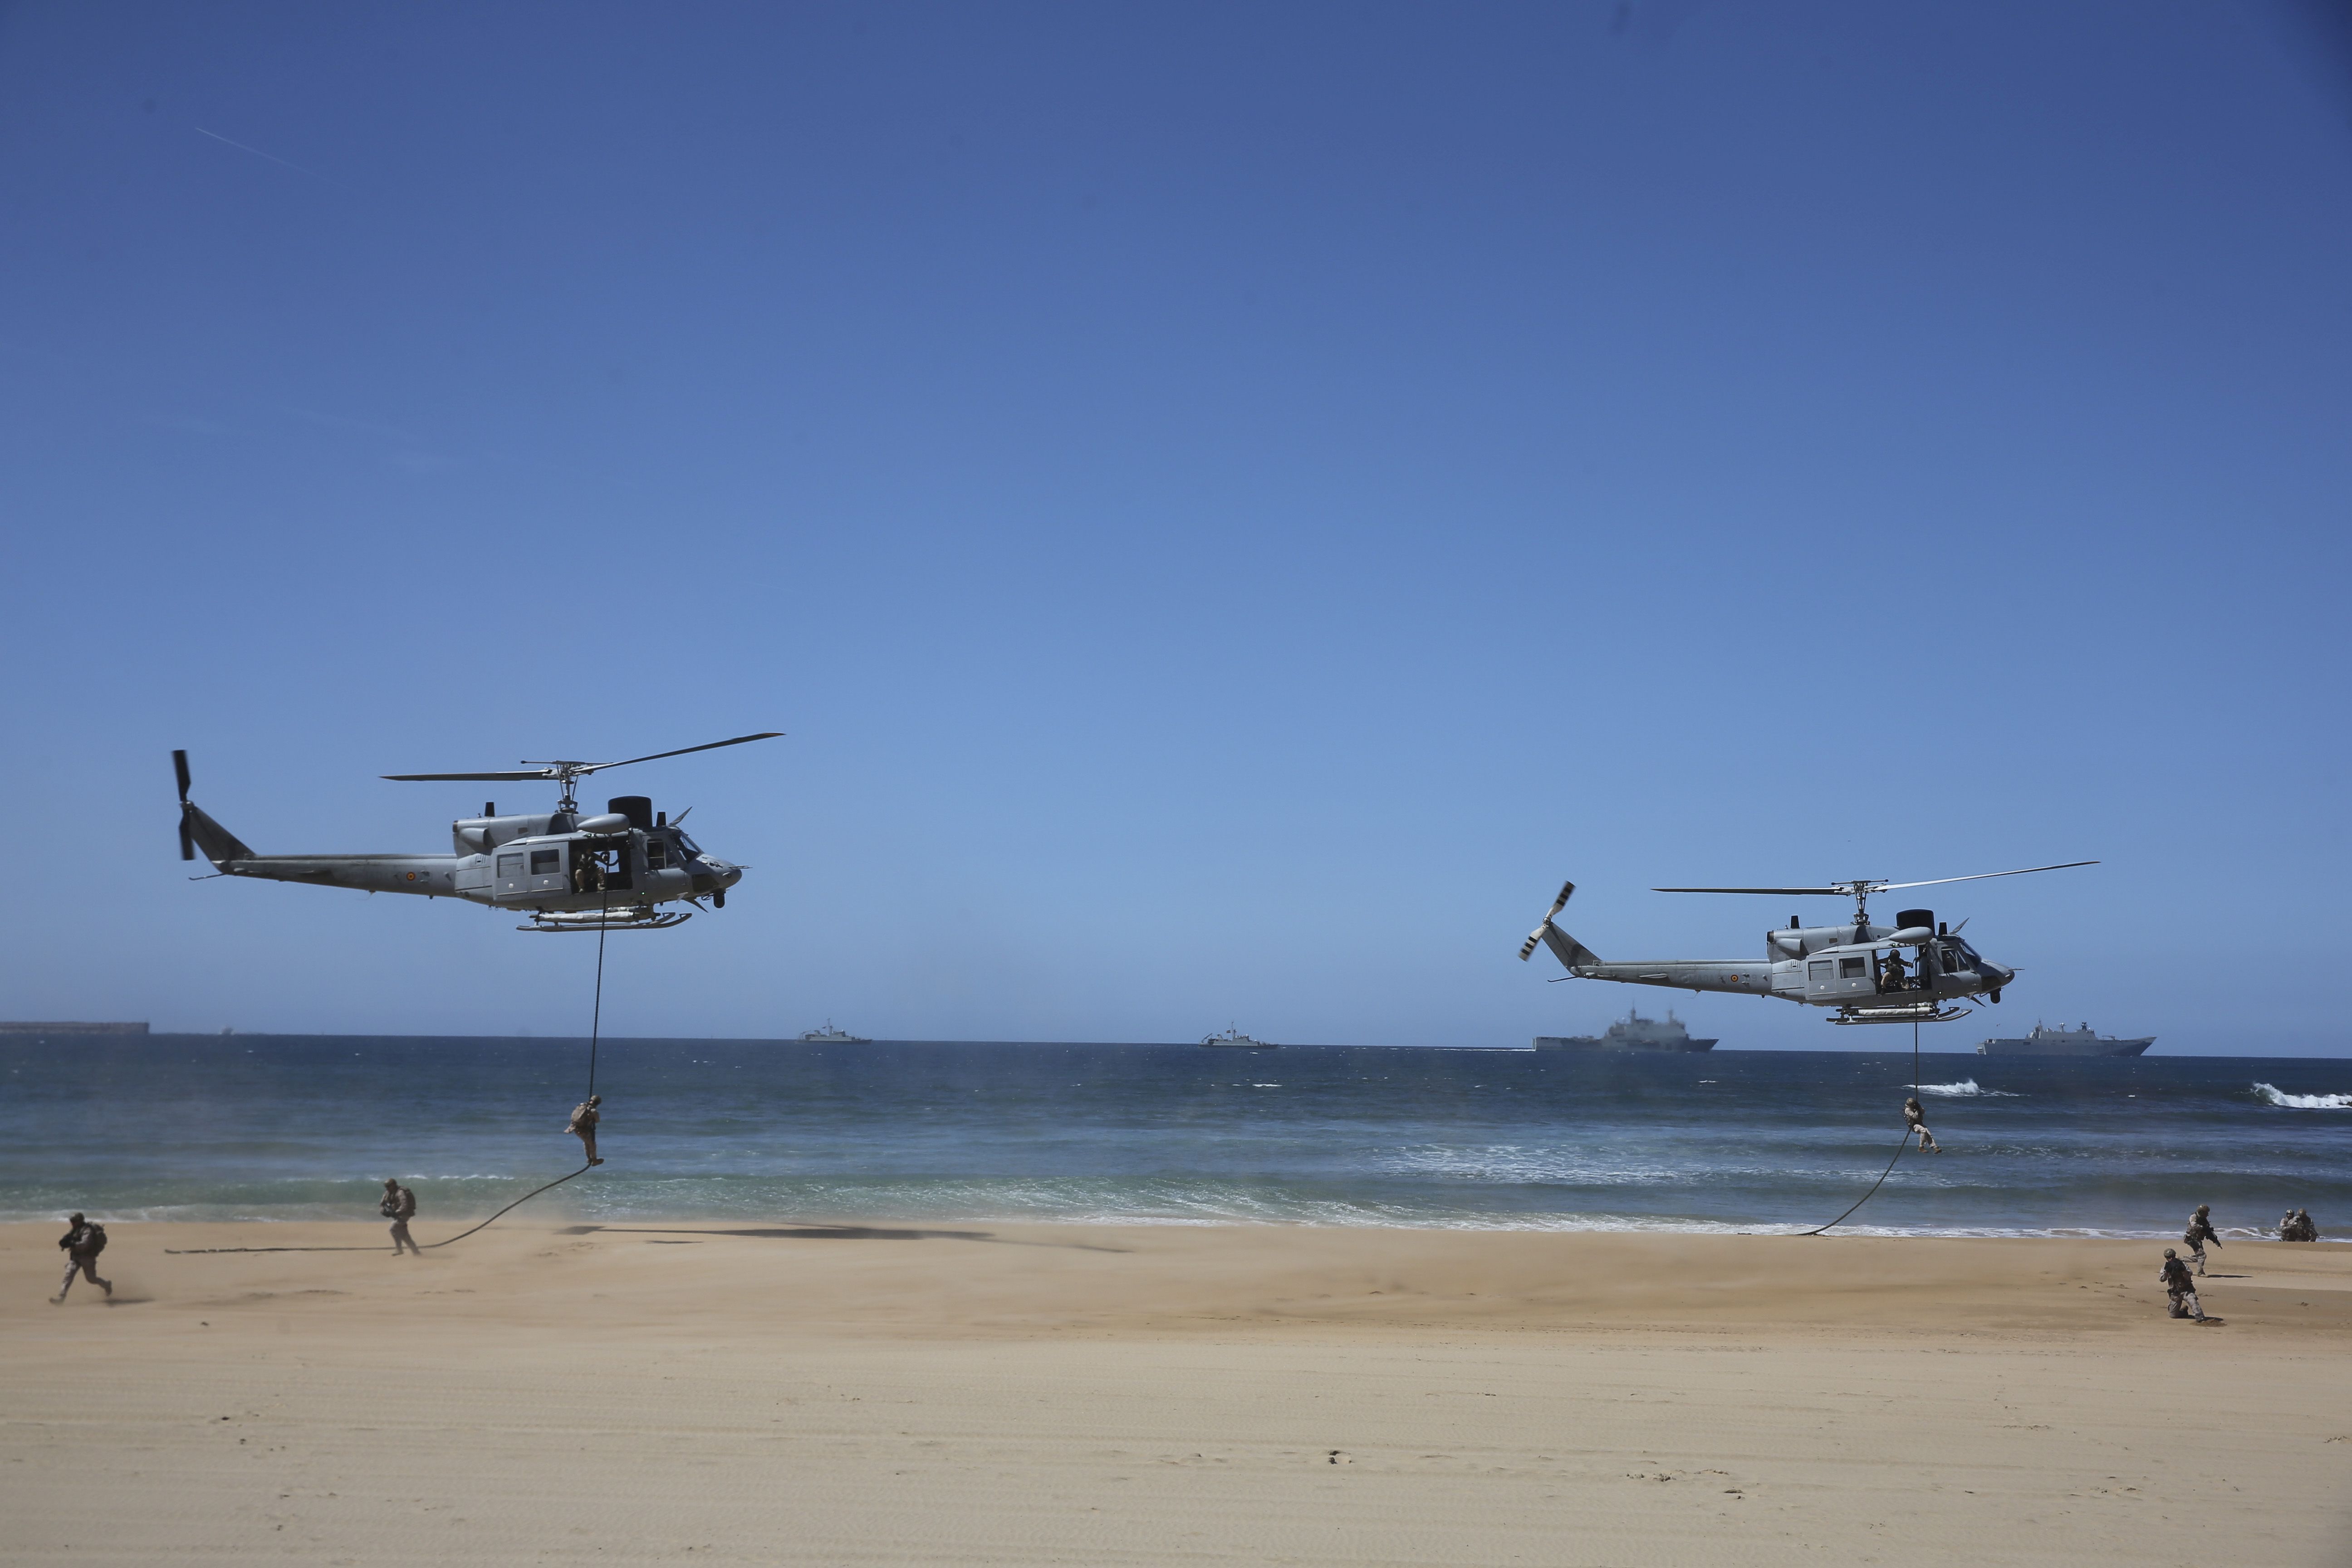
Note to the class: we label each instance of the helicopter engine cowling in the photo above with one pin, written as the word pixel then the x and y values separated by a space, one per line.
pixel 611 822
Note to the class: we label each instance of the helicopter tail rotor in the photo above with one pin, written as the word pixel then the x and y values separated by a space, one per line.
pixel 187 839
pixel 199 832
pixel 1528 948
pixel 1573 956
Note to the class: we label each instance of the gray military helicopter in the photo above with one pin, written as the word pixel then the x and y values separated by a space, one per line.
pixel 1856 968
pixel 568 872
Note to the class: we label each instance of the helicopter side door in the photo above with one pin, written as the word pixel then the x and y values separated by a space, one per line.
pixel 1840 976
pixel 528 870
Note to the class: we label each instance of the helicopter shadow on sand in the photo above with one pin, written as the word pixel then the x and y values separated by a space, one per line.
pixel 835 1233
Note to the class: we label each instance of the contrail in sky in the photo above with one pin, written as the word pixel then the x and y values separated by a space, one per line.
pixel 260 154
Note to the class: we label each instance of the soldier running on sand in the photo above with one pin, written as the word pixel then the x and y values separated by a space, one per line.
pixel 1914 1119
pixel 2181 1289
pixel 583 1125
pixel 82 1244
pixel 399 1206
pixel 2200 1232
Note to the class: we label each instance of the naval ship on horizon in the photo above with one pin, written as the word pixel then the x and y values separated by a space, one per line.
pixel 1631 1033
pixel 2046 1041
pixel 829 1035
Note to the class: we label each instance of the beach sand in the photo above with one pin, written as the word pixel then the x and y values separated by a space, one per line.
pixel 995 1394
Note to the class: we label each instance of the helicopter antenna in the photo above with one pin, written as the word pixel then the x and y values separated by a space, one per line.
pixel 568 772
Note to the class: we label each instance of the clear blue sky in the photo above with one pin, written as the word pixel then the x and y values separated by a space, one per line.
pixel 1232 505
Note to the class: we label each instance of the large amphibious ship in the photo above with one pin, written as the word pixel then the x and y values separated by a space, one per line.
pixel 1631 1033
pixel 2046 1041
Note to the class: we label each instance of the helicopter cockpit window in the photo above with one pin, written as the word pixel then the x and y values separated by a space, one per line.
pixel 687 849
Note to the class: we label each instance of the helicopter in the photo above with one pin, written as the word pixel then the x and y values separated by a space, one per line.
pixel 610 871
pixel 1856 968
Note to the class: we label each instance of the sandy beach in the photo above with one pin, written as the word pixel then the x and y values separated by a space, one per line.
pixel 885 1394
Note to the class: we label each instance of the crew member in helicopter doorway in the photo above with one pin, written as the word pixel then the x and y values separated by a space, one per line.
pixel 1914 1119
pixel 583 1125
pixel 2200 1232
pixel 399 1206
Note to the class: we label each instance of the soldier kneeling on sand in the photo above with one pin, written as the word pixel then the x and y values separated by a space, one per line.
pixel 2297 1226
pixel 82 1242
pixel 2181 1288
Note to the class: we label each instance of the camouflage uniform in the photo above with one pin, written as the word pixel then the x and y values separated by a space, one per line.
pixel 583 1125
pixel 2180 1289
pixel 82 1244
pixel 399 1206
pixel 2200 1232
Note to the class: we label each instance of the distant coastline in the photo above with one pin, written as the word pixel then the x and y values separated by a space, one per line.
pixel 248 1037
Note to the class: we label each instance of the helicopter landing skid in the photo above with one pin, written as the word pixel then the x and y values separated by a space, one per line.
pixel 634 919
pixel 1902 1012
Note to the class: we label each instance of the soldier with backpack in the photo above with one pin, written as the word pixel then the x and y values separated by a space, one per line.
pixel 2200 1232
pixel 82 1244
pixel 399 1205
pixel 583 1125
pixel 2181 1289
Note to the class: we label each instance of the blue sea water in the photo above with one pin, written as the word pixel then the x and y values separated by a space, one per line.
pixel 285 1127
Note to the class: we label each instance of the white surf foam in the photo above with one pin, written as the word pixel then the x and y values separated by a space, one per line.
pixel 2271 1094
pixel 1965 1088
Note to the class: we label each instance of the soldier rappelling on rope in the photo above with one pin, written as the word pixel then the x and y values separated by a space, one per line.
pixel 583 1125
pixel 1914 1119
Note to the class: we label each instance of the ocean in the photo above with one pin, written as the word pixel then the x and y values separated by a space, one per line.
pixel 293 1126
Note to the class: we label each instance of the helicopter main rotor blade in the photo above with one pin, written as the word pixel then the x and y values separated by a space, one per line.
pixel 1981 876
pixel 1776 892
pixel 567 769
pixel 682 751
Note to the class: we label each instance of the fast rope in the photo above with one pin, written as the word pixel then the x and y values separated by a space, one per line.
pixel 596 1018
pixel 192 1251
pixel 1905 1143
pixel 595 1027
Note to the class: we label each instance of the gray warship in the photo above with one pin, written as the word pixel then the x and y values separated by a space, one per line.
pixel 2046 1041
pixel 829 1035
pixel 1631 1033
pixel 1235 1039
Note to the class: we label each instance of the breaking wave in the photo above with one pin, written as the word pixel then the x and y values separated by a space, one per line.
pixel 1965 1088
pixel 2270 1094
